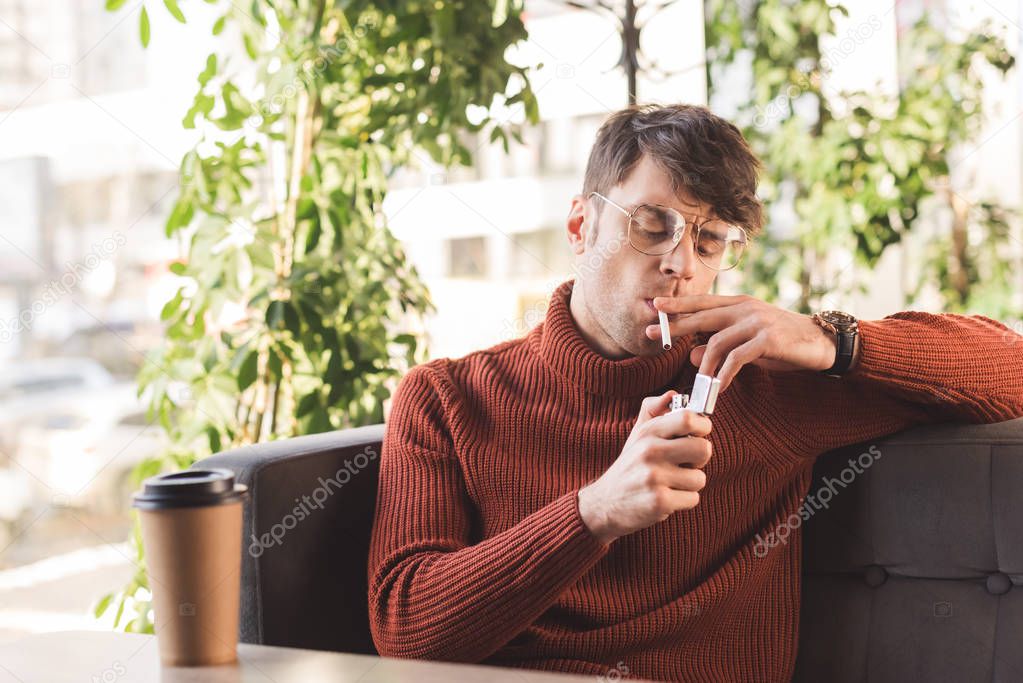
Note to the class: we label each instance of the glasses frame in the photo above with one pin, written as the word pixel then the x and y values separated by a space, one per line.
pixel 679 232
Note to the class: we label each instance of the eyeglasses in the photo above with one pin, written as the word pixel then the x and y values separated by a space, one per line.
pixel 656 230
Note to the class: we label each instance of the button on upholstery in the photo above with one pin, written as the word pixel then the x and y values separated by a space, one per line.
pixel 875 575
pixel 998 583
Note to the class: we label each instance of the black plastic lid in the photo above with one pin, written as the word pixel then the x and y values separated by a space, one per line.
pixel 190 488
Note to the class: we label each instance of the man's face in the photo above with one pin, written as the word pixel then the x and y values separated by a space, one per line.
pixel 614 283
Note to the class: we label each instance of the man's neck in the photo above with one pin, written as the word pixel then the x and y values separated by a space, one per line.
pixel 592 333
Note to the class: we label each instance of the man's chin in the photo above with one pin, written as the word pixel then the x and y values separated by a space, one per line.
pixel 650 347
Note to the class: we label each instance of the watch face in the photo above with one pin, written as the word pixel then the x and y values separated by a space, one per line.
pixel 839 319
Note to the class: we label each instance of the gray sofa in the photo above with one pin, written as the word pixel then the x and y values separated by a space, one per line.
pixel 913 572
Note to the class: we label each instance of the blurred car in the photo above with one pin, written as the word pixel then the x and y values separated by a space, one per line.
pixel 32 387
pixel 82 456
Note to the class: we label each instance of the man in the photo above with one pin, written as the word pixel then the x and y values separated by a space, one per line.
pixel 539 505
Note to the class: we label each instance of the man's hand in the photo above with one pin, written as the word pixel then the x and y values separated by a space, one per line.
pixel 658 472
pixel 747 330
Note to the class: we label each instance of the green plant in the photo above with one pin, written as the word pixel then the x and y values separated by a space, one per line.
pixel 298 308
pixel 858 167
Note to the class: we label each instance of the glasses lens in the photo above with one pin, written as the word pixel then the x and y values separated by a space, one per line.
pixel 720 246
pixel 652 230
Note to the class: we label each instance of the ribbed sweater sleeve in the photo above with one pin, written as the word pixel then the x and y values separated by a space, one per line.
pixel 914 368
pixel 435 593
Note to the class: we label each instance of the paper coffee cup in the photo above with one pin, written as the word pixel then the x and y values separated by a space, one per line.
pixel 192 535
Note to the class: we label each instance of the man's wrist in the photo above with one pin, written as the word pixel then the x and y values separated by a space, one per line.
pixel 830 350
pixel 842 334
pixel 592 517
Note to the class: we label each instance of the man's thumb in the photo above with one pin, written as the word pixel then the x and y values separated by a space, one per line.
pixel 696 355
pixel 654 406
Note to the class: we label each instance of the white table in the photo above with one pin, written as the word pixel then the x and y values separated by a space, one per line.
pixel 114 657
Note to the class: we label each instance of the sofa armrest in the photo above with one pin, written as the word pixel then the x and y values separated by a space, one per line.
pixel 307 523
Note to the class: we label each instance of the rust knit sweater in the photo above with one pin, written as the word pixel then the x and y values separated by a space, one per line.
pixel 478 553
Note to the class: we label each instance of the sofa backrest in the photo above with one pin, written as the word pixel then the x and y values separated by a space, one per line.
pixel 913 571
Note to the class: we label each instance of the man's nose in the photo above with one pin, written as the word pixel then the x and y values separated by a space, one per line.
pixel 681 261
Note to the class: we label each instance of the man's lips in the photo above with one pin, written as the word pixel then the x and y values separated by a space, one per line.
pixel 671 316
pixel 650 305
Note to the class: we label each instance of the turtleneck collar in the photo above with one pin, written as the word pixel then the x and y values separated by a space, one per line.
pixel 558 341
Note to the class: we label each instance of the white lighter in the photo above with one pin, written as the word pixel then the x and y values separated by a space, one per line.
pixel 704 396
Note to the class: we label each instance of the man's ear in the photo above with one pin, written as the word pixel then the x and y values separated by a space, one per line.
pixel 578 226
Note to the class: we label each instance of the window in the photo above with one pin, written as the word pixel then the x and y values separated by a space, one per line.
pixel 540 253
pixel 467 257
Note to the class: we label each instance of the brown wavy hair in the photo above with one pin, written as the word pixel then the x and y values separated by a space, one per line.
pixel 700 151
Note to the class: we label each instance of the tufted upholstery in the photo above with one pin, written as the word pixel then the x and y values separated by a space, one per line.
pixel 915 571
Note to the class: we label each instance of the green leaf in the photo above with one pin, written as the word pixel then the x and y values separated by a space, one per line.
pixel 180 216
pixel 291 319
pixel 144 27
pixel 120 611
pixel 203 104
pixel 214 437
pixel 172 7
pixel 178 268
pixel 114 5
pixel 319 421
pixel 210 70
pixel 218 25
pixel 247 372
pixel 172 306
pixel 250 46
pixel 102 605
pixel 307 404
pixel 275 315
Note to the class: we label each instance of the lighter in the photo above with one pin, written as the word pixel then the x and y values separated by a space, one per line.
pixel 704 396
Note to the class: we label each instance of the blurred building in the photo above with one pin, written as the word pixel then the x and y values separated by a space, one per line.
pixel 90 140
pixel 492 240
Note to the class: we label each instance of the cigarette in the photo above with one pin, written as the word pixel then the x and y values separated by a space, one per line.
pixel 665 332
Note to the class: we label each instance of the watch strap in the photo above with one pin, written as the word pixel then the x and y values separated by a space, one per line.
pixel 844 355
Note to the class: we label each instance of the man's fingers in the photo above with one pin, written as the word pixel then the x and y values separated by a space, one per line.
pixel 681 423
pixel 704 321
pixel 740 355
pixel 686 478
pixel 682 500
pixel 654 406
pixel 696 302
pixel 719 346
pixel 687 452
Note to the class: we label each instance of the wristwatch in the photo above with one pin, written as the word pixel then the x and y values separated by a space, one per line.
pixel 845 327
